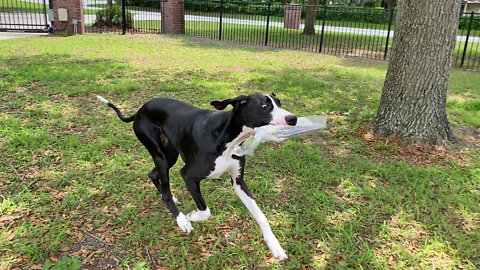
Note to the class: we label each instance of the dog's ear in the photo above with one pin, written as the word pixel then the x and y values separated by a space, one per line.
pixel 235 102
pixel 273 94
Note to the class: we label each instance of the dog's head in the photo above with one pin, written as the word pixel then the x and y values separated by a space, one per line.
pixel 258 110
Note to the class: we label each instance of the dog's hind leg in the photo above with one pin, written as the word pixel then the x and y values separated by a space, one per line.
pixel 154 175
pixel 164 156
pixel 161 165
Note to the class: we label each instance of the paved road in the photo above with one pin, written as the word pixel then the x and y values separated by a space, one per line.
pixel 146 15
pixel 11 35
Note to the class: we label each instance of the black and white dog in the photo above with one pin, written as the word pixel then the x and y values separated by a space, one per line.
pixel 205 140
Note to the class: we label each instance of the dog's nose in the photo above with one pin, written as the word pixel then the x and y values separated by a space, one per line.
pixel 291 120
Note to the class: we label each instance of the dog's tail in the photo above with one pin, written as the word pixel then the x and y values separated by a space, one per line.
pixel 120 115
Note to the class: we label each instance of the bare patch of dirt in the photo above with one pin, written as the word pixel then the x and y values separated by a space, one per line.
pixel 95 252
pixel 416 153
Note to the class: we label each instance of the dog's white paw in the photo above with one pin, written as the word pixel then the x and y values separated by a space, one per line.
pixel 199 215
pixel 175 200
pixel 275 248
pixel 183 223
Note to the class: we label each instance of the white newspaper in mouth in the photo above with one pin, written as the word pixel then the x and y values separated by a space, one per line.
pixel 305 125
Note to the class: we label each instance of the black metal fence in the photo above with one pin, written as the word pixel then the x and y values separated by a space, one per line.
pixel 30 16
pixel 467 51
pixel 346 31
pixel 334 30
pixel 125 16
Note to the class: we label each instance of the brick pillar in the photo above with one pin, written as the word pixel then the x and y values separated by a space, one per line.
pixel 74 11
pixel 293 14
pixel 173 17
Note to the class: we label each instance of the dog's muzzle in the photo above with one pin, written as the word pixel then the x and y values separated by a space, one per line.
pixel 291 120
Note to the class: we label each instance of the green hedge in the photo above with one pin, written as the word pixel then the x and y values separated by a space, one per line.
pixel 112 17
pixel 143 3
pixel 465 20
pixel 366 15
pixel 361 15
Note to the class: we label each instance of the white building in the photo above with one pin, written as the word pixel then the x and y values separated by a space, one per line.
pixel 469 6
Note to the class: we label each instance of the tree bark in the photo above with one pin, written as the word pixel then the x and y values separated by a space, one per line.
pixel 109 3
pixel 310 16
pixel 415 90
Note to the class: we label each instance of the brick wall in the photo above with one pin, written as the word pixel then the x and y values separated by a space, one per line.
pixel 173 17
pixel 293 14
pixel 74 10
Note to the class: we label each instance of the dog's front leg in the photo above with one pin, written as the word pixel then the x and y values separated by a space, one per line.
pixel 203 212
pixel 193 186
pixel 242 192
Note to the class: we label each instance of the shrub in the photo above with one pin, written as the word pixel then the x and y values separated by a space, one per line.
pixel 112 17
pixel 144 3
pixel 360 15
pixel 465 21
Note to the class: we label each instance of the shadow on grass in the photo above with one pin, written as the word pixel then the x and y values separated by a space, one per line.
pixel 319 90
pixel 351 210
pixel 65 74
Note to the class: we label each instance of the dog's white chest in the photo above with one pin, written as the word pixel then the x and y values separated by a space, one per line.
pixel 224 164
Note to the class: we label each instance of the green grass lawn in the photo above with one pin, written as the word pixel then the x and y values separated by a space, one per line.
pixel 22 6
pixel 75 193
pixel 155 25
pixel 30 7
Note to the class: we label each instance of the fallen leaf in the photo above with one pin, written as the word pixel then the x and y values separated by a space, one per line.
pixel 76 253
pixel 368 136
pixel 10 236
pixel 5 218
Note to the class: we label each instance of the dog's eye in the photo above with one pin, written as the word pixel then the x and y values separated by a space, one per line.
pixel 265 107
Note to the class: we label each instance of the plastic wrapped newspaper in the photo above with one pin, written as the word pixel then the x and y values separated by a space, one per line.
pixel 305 125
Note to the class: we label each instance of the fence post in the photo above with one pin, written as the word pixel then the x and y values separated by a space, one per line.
pixel 466 40
pixel 323 27
pixel 390 20
pixel 221 17
pixel 268 22
pixel 75 12
pixel 173 16
pixel 50 7
pixel 45 13
pixel 124 19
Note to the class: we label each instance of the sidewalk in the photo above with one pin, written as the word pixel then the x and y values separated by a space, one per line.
pixel 11 35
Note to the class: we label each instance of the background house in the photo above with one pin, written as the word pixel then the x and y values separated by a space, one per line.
pixel 470 5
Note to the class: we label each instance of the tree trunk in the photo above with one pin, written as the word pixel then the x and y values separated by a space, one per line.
pixel 310 16
pixel 109 3
pixel 389 4
pixel 415 90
